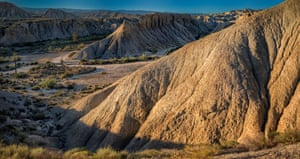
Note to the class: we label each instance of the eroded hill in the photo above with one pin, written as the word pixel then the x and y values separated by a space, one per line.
pixel 239 84
pixel 154 34
pixel 157 34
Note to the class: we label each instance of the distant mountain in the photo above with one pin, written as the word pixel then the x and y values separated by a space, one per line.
pixel 58 14
pixel 8 10
pixel 85 13
pixel 154 34
pixel 240 84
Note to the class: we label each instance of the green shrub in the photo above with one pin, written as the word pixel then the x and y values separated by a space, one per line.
pixel 148 154
pixel 143 58
pixel 20 75
pixel 77 153
pixel 109 153
pixel 38 116
pixel 48 83
pixel 50 48
pixel 66 75
pixel 289 136
pixel 67 48
pixel 35 88
pixel 113 60
pixel 124 60
pixel 72 54
pixel 83 61
pixel 81 46
pixel 25 152
pixel 4 59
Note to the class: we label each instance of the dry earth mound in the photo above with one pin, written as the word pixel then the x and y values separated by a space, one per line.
pixel 154 34
pixel 238 84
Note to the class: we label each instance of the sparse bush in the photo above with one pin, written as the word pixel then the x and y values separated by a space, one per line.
pixel 70 86
pixel 72 54
pixel 58 49
pixel 27 102
pixel 229 144
pixel 77 153
pixel 148 154
pixel 143 58
pixel 74 37
pixel 66 75
pixel 24 152
pixel 67 48
pixel 289 136
pixel 83 61
pixel 38 116
pixel 81 46
pixel 275 138
pixel 50 48
pixel 48 83
pixel 109 153
pixel 202 151
pixel 124 60
pixel 4 59
pixel 35 88
pixel 20 75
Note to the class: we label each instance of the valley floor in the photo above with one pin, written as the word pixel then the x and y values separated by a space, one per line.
pixel 286 151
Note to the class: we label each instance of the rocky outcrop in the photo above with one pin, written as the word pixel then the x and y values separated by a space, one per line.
pixel 217 22
pixel 58 14
pixel 25 119
pixel 154 34
pixel 238 84
pixel 8 10
pixel 47 29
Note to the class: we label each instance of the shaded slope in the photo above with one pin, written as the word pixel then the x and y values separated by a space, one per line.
pixel 154 34
pixel 48 29
pixel 235 85
pixel 8 10
pixel 58 14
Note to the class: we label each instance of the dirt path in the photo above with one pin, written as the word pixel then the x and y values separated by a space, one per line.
pixel 107 74
pixel 280 152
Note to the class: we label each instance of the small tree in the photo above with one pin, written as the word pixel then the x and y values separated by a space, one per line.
pixel 62 62
pixel 74 37
pixel 15 59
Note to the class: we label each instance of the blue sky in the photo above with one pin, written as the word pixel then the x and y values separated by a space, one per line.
pixel 183 6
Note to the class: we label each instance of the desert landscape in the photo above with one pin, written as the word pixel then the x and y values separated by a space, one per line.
pixel 93 83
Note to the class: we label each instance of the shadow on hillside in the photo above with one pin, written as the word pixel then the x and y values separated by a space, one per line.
pixel 66 124
pixel 94 138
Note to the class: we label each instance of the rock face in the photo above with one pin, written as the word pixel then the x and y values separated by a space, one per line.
pixel 154 34
pixel 217 22
pixel 58 14
pixel 48 29
pixel 238 84
pixel 8 10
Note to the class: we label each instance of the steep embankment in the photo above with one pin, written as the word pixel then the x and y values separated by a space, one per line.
pixel 48 29
pixel 154 34
pixel 239 84
pixel 219 21
pixel 158 34
pixel 8 10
